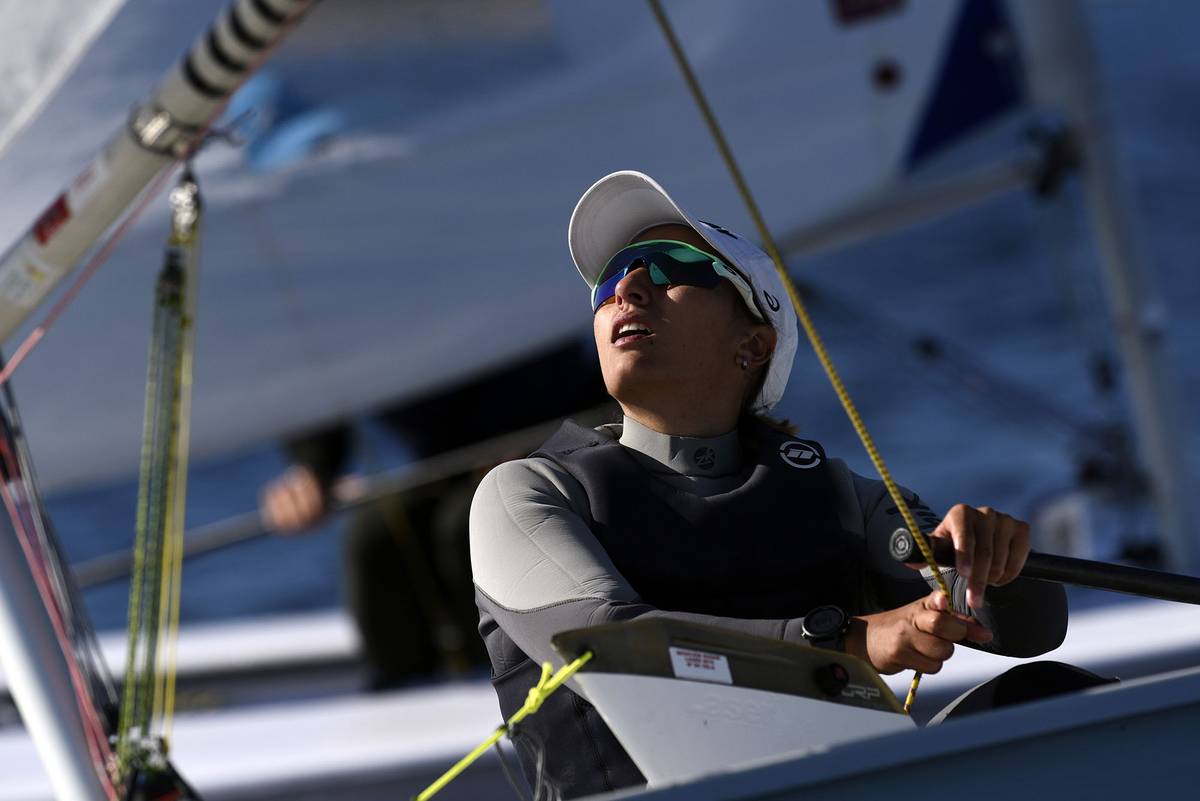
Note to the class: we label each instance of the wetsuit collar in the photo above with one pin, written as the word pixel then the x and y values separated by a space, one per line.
pixel 689 456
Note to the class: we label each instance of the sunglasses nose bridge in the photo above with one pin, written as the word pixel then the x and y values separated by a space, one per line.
pixel 631 285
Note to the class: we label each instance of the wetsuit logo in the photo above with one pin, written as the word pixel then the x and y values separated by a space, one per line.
pixel 705 458
pixel 797 454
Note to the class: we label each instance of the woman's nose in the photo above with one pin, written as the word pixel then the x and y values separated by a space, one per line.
pixel 635 286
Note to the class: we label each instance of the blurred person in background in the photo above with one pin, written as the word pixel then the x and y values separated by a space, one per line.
pixel 406 566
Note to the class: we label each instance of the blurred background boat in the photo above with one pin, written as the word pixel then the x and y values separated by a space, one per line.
pixel 394 227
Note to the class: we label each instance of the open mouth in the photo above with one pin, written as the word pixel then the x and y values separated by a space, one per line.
pixel 631 332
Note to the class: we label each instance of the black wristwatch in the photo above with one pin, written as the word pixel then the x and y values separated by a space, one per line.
pixel 825 627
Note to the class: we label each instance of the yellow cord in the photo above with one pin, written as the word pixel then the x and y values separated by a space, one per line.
pixel 174 596
pixel 810 330
pixel 141 697
pixel 149 694
pixel 189 241
pixel 533 702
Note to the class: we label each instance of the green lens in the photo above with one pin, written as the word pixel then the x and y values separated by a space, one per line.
pixel 658 276
pixel 689 255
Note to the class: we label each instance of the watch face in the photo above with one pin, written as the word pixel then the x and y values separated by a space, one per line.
pixel 824 621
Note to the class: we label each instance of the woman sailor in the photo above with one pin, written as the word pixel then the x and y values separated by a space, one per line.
pixel 698 507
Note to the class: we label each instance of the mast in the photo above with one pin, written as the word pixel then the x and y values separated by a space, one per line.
pixel 161 131
pixel 1065 78
pixel 37 672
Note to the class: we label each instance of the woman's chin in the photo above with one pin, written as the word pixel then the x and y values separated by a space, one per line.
pixel 631 379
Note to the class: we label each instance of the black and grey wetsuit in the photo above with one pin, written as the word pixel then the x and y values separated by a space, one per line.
pixel 746 531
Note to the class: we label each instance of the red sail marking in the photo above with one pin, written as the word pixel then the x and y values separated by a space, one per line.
pixel 51 220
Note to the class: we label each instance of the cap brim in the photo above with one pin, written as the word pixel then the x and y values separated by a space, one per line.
pixel 612 212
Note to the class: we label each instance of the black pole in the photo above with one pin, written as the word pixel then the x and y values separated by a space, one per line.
pixel 248 526
pixel 1067 570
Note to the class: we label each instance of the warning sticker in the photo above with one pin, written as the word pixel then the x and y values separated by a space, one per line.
pixel 25 279
pixel 22 283
pixel 700 666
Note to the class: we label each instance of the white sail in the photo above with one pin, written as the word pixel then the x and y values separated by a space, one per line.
pixel 344 281
pixel 42 43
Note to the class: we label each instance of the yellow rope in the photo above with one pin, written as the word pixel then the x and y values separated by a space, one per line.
pixel 149 693
pixel 810 330
pixel 187 238
pixel 533 702
pixel 172 552
pixel 139 702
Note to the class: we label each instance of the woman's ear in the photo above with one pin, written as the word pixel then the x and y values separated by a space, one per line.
pixel 756 349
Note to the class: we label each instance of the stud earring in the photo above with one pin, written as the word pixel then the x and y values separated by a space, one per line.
pixel 745 364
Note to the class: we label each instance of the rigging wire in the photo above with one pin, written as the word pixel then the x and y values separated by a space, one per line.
pixel 40 563
pixel 154 599
pixel 534 746
pixel 810 330
pixel 510 775
pixel 93 687
pixel 83 635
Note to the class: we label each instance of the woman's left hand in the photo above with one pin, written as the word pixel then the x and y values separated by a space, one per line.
pixel 990 547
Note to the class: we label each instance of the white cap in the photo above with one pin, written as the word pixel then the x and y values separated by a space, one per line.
pixel 619 206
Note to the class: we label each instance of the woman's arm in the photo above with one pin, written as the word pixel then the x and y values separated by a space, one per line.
pixel 539 570
pixel 1026 617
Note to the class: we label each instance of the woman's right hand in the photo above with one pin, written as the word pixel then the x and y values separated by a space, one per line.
pixel 917 636
pixel 292 502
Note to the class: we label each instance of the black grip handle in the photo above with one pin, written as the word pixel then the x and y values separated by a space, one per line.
pixel 904 549
pixel 1067 570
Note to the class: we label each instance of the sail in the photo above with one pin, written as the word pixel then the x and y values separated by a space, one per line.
pixel 418 241
pixel 43 41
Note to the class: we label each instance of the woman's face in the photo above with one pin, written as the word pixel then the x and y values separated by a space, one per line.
pixel 685 344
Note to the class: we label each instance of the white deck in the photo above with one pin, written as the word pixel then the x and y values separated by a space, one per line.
pixel 394 742
pixel 401 740
pixel 250 644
